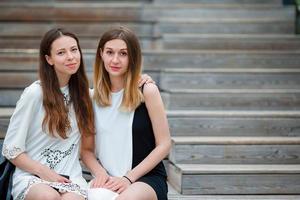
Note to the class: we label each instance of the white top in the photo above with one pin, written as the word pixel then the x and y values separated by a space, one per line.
pixel 25 134
pixel 114 136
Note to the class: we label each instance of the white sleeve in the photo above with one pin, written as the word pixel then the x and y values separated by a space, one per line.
pixel 15 138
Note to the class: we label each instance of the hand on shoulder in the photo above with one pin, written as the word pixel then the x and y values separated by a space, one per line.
pixel 150 89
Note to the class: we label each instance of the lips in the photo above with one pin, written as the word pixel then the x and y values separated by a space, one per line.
pixel 113 68
pixel 72 65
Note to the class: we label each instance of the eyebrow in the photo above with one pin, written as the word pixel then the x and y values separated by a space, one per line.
pixel 112 48
pixel 65 48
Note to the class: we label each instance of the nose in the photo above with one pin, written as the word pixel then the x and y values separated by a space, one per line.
pixel 115 58
pixel 70 56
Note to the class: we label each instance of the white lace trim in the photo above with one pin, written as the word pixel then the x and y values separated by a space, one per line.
pixel 12 152
pixel 61 187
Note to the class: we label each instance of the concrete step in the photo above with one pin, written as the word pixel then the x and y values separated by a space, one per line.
pixel 218 123
pixel 84 30
pixel 226 26
pixel 156 60
pixel 232 99
pixel 218 11
pixel 131 11
pixel 229 78
pixel 235 150
pixel 87 43
pixel 71 12
pixel 235 179
pixel 234 123
pixel 27 35
pixel 231 41
pixel 271 2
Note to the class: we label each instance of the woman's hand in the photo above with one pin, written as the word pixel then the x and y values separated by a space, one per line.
pixel 50 175
pixel 100 180
pixel 145 78
pixel 117 184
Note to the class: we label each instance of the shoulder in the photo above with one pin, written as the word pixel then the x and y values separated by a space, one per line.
pixel 150 90
pixel 33 91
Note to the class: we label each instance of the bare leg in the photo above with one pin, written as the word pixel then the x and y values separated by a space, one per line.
pixel 42 191
pixel 138 191
pixel 71 196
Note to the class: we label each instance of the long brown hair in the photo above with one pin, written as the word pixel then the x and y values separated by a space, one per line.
pixel 56 118
pixel 102 92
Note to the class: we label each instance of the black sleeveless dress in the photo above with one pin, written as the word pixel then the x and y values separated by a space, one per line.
pixel 143 142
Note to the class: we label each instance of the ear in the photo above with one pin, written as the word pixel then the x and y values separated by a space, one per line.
pixel 101 53
pixel 49 60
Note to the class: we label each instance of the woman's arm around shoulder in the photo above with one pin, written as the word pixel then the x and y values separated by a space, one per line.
pixel 161 131
pixel 157 114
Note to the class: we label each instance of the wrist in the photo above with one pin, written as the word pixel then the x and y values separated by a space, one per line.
pixel 128 179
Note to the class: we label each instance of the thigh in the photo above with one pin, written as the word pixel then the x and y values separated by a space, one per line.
pixel 71 196
pixel 42 191
pixel 138 191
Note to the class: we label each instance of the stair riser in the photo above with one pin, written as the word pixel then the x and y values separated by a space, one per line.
pixel 271 2
pixel 234 126
pixel 280 13
pixel 275 27
pixel 231 43
pixel 241 184
pixel 51 12
pixel 227 101
pixel 14 84
pixel 222 60
pixel 223 126
pixel 3 127
pixel 28 43
pixel 216 80
pixel 234 154
pixel 137 13
pixel 164 60
pixel 88 29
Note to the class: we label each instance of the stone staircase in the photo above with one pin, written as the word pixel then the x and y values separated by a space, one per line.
pixel 228 70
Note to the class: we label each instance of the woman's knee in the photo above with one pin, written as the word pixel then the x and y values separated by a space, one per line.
pixel 138 191
pixel 41 191
pixel 71 196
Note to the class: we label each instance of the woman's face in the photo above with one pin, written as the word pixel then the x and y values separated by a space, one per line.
pixel 64 57
pixel 115 57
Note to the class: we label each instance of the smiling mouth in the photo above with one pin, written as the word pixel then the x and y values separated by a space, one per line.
pixel 115 68
pixel 73 65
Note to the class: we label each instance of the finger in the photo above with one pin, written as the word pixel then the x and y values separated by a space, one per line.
pixel 120 190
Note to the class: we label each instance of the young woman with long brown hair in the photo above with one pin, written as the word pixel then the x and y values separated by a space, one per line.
pixel 132 133
pixel 51 116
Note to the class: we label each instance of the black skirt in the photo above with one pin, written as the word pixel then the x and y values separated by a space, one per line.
pixel 158 183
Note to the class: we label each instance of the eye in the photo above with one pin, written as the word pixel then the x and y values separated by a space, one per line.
pixel 108 52
pixel 123 53
pixel 60 53
pixel 74 50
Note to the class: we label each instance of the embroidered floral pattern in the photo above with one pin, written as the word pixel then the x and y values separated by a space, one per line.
pixel 55 156
pixel 67 99
pixel 61 187
pixel 12 152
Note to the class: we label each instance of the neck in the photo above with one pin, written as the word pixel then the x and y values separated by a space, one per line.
pixel 63 80
pixel 117 83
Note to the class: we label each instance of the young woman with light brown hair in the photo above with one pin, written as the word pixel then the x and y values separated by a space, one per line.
pixel 132 133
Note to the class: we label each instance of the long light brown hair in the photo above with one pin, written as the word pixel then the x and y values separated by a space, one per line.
pixel 102 86
pixel 56 118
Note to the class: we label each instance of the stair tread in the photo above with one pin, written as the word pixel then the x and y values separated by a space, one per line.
pixel 238 168
pixel 242 140
pixel 7 112
pixel 232 91
pixel 234 36
pixel 240 113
